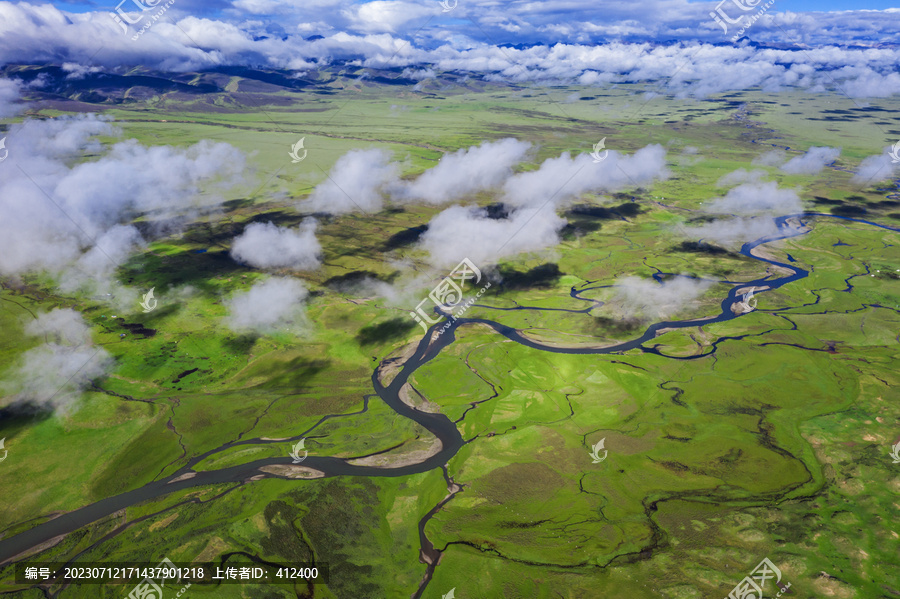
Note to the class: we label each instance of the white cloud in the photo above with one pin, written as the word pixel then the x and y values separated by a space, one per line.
pixel 275 303
pixel 753 198
pixel 812 162
pixel 387 15
pixel 9 96
pixel 874 169
pixel 465 171
pixel 645 297
pixel 563 178
pixel 63 325
pixel 532 225
pixel 77 71
pixel 54 374
pixel 264 245
pixel 460 232
pixel 596 44
pixel 95 267
pixel 71 219
pixel 734 231
pixel 763 200
pixel 356 183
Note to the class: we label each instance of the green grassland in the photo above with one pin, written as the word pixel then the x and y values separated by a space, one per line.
pixel 768 437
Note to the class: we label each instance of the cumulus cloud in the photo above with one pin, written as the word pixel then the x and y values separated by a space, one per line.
pixel 72 220
pixel 563 178
pixel 534 196
pixel 465 171
pixel 812 162
pixel 272 304
pixel 638 297
pixel 753 198
pixel 874 169
pixel 356 182
pixel 755 205
pixel 264 245
pixel 459 232
pixel 54 374
pixel 734 230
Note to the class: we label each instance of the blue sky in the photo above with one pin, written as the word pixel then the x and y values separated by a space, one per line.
pixel 827 5
pixel 819 5
pixel 781 5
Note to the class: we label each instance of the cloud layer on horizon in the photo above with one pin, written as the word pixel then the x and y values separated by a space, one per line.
pixel 576 45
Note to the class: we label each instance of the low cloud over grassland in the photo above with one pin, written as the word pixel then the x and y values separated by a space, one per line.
pixel 533 224
pixel 273 304
pixel 635 297
pixel 265 245
pixel 356 182
pixel 465 171
pixel 74 221
pixel 53 374
pixel 754 206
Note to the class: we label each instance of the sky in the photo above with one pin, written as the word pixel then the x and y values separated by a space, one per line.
pixel 701 47
pixel 792 5
pixel 832 5
pixel 238 31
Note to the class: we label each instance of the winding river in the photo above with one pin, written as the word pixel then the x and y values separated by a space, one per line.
pixel 438 424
